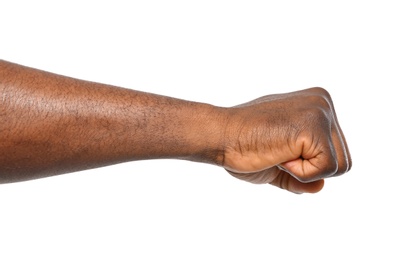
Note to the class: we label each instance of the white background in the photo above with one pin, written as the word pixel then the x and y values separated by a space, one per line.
pixel 223 53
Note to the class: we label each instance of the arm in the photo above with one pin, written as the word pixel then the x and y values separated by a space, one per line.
pixel 52 124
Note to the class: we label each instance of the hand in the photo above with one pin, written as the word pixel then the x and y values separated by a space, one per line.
pixel 292 141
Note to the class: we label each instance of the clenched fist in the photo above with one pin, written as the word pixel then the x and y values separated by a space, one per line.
pixel 291 140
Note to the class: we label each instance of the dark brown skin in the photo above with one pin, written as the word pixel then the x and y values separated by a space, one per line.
pixel 52 124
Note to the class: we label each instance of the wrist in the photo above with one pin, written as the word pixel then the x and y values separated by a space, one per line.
pixel 206 134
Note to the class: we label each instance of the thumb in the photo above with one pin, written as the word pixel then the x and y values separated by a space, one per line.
pixel 312 169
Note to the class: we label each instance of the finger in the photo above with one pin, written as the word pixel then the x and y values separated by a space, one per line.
pixel 339 142
pixel 288 182
pixel 344 156
pixel 341 152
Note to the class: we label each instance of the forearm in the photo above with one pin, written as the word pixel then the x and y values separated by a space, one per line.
pixel 51 124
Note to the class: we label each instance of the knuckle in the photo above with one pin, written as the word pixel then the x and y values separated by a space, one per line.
pixel 322 92
pixel 322 101
pixel 321 97
pixel 316 117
